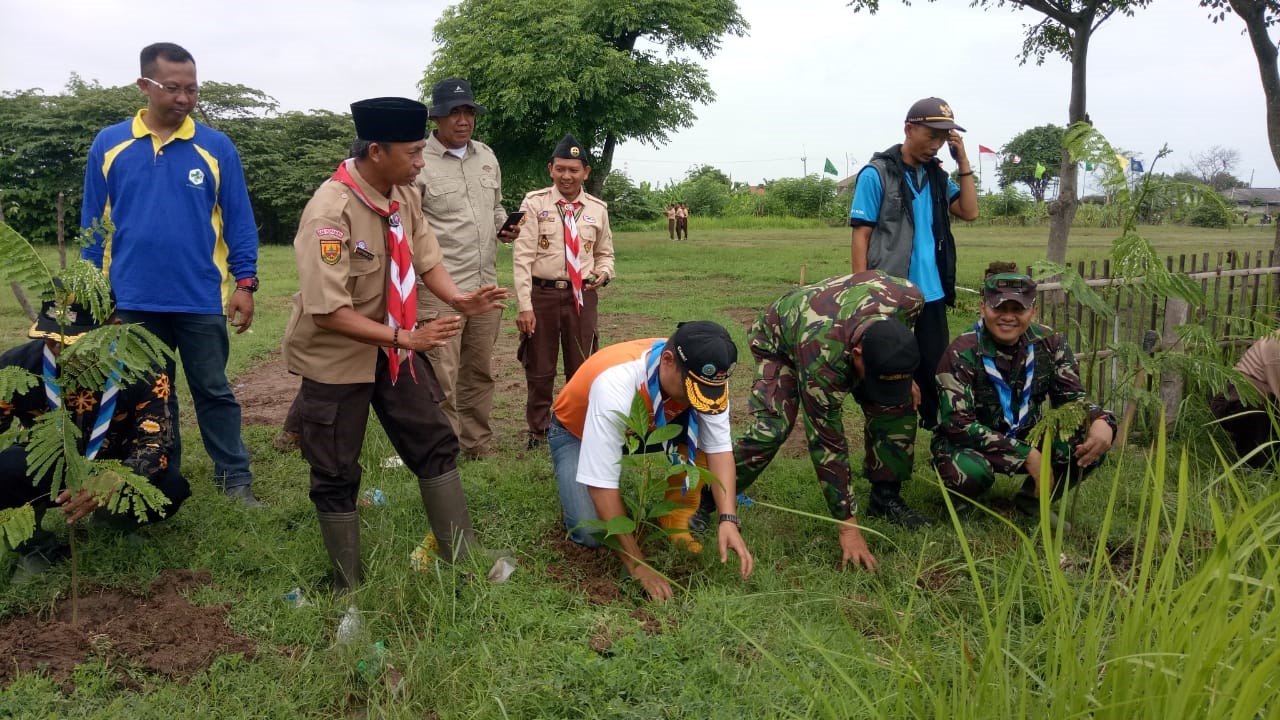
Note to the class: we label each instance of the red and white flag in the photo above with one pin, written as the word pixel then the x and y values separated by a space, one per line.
pixel 984 150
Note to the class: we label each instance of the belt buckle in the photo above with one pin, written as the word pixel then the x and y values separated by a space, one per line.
pixel 562 284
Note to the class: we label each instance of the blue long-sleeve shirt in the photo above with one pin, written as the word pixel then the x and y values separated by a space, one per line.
pixel 183 229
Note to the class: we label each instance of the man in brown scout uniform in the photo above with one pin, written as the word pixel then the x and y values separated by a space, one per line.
pixel 353 335
pixel 563 255
pixel 671 221
pixel 461 185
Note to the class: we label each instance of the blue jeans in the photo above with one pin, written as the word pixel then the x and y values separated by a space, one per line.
pixel 201 342
pixel 575 498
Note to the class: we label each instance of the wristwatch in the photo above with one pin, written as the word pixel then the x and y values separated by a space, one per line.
pixel 249 284
pixel 730 517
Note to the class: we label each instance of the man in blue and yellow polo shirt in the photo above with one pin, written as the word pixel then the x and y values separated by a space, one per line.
pixel 172 227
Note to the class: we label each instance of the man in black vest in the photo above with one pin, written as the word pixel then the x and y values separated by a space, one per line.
pixel 901 219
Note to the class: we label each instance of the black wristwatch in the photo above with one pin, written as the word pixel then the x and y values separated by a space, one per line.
pixel 249 284
pixel 730 517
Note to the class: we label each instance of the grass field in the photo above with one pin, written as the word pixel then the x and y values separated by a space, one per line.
pixel 1160 603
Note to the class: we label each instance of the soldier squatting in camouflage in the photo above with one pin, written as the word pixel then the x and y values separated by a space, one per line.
pixel 802 345
pixel 971 444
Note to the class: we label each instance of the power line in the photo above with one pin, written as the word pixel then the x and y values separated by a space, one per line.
pixel 709 162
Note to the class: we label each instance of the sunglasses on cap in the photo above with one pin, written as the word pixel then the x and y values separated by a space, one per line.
pixel 1009 282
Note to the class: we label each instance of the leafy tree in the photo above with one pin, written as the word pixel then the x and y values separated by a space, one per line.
pixel 608 71
pixel 1037 146
pixel 629 202
pixel 285 159
pixel 1065 30
pixel 44 140
pixel 806 197
pixel 704 196
pixel 710 172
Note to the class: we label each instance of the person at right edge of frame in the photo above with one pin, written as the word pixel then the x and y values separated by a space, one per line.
pixel 562 257
pixel 901 219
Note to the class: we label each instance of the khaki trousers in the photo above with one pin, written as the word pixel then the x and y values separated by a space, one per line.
pixel 464 369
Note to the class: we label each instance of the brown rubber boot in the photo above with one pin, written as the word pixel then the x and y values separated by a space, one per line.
pixel 341 533
pixel 446 508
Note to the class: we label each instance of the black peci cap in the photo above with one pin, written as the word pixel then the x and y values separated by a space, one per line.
pixel 389 119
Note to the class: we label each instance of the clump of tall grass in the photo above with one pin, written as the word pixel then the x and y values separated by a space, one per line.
pixel 1186 626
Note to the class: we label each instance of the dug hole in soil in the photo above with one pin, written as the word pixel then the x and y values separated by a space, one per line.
pixel 160 632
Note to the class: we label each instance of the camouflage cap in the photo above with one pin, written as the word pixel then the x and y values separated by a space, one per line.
pixel 890 357
pixel 1009 287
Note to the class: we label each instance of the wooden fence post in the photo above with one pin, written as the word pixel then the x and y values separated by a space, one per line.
pixel 1172 382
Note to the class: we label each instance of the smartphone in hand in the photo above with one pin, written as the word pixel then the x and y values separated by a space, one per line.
pixel 513 221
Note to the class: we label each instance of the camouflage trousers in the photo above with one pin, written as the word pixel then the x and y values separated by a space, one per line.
pixel 971 472
pixel 773 404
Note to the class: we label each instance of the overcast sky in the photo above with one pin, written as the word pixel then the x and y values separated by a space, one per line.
pixel 812 79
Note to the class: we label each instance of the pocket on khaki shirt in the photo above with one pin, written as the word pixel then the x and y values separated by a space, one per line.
pixel 366 282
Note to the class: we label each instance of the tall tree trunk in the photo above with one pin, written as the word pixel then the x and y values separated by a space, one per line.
pixel 1063 210
pixel 595 183
pixel 17 289
pixel 1254 14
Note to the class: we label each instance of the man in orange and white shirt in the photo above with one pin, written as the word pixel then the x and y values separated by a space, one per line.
pixel 683 381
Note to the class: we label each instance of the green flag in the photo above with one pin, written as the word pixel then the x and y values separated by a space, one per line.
pixel 829 168
pixel 1088 166
pixel 1040 169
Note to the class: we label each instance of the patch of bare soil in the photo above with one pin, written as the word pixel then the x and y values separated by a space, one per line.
pixel 1120 555
pixel 590 572
pixel 161 632
pixel 265 392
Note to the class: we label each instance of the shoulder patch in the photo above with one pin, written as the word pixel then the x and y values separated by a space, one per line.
pixel 330 251
pixel 330 232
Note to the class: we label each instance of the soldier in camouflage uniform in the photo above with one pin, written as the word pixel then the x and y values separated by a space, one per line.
pixel 992 381
pixel 812 347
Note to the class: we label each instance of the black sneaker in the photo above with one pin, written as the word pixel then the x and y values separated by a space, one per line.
pixel 896 511
pixel 1029 505
pixel 702 516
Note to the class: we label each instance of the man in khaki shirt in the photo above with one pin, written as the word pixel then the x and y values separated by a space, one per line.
pixel 354 338
pixel 563 255
pixel 461 186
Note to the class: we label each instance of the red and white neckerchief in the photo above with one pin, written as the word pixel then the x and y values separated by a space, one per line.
pixel 572 245
pixel 402 288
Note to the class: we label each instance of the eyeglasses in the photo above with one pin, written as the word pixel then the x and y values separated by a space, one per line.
pixel 192 90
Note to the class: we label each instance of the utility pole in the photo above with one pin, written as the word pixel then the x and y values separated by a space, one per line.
pixel 804 160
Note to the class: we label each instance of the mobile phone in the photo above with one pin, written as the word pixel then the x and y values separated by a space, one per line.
pixel 512 222
pixel 952 149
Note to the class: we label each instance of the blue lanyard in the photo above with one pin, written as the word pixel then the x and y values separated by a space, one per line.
pixel 107 407
pixel 654 388
pixel 1015 421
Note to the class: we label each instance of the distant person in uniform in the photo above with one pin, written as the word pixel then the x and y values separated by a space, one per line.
pixel 563 256
pixel 993 381
pixel 182 256
pixel 353 334
pixel 671 220
pixel 682 222
pixel 901 218
pixel 1251 424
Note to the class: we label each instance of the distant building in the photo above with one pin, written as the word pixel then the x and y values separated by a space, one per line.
pixel 1254 199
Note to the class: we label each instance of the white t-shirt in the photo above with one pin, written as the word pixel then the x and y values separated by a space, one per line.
pixel 600 460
